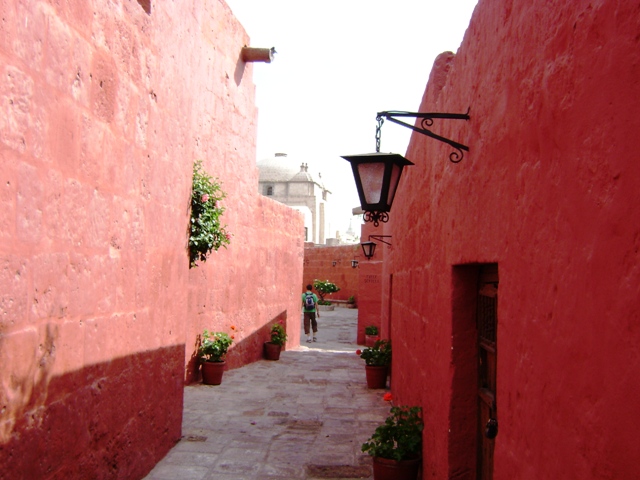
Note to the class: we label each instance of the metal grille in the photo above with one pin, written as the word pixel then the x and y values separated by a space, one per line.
pixel 487 318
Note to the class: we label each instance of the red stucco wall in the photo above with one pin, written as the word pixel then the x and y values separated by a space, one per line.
pixel 318 264
pixel 550 191
pixel 371 283
pixel 103 109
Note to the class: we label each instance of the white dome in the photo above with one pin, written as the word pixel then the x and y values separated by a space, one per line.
pixel 281 168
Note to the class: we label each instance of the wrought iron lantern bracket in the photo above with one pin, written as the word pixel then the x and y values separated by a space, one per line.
pixel 377 174
pixel 426 121
pixel 369 248
pixel 380 238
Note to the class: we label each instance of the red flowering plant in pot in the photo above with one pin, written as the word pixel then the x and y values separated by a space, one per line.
pixel 377 360
pixel 273 348
pixel 212 352
pixel 396 445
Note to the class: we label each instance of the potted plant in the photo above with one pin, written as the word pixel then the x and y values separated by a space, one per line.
pixel 396 445
pixel 377 360
pixel 371 335
pixel 274 346
pixel 212 352
pixel 351 302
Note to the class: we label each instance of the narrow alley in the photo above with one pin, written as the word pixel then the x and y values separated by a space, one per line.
pixel 304 416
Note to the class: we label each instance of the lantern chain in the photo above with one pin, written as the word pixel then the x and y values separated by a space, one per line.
pixel 378 132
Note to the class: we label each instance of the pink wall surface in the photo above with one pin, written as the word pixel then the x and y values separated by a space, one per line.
pixel 371 285
pixel 318 264
pixel 104 106
pixel 550 191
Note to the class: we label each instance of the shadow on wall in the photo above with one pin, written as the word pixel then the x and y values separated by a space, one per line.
pixel 248 350
pixel 116 419
pixel 240 66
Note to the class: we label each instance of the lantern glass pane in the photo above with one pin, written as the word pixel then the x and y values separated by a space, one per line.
pixel 396 170
pixel 368 248
pixel 371 176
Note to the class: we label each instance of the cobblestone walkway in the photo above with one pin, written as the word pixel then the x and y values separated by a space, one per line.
pixel 302 417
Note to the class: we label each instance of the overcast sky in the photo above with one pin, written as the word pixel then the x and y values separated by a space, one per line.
pixel 339 62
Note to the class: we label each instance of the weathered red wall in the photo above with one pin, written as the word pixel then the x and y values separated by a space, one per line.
pixel 371 281
pixel 318 264
pixel 551 192
pixel 251 284
pixel 103 109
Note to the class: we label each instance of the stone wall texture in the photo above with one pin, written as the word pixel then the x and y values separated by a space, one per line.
pixel 370 284
pixel 319 264
pixel 550 192
pixel 104 106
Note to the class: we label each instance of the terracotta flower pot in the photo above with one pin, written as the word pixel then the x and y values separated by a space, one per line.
pixel 387 469
pixel 370 340
pixel 376 376
pixel 212 372
pixel 272 351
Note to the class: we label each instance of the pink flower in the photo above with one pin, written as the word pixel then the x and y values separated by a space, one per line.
pixel 205 198
pixel 217 204
pixel 358 352
pixel 387 397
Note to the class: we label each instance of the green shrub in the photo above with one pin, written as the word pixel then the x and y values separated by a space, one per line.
pixel 206 233
pixel 399 437
pixel 379 355
pixel 278 334
pixel 214 346
pixel 325 288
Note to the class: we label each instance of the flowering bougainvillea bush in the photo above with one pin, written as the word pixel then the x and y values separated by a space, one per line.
pixel 206 231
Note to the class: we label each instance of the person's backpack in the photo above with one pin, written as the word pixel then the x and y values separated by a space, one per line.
pixel 309 303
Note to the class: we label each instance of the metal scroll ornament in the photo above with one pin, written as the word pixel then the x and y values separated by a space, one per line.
pixel 376 217
pixel 457 155
pixel 426 122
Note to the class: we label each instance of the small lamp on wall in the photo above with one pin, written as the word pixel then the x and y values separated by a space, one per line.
pixel 354 263
pixel 369 248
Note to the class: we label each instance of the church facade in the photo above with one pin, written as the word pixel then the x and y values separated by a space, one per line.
pixel 284 180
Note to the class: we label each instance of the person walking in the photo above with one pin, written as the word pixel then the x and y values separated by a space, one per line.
pixel 309 306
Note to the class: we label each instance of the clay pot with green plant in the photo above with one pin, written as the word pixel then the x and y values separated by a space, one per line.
pixel 351 302
pixel 273 347
pixel 396 445
pixel 212 353
pixel 377 361
pixel 371 335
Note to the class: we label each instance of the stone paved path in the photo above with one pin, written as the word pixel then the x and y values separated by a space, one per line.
pixel 304 416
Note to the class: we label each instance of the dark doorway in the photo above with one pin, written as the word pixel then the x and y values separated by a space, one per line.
pixel 487 321
pixel 474 348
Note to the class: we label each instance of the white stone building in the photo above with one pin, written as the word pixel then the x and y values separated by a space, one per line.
pixel 290 182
